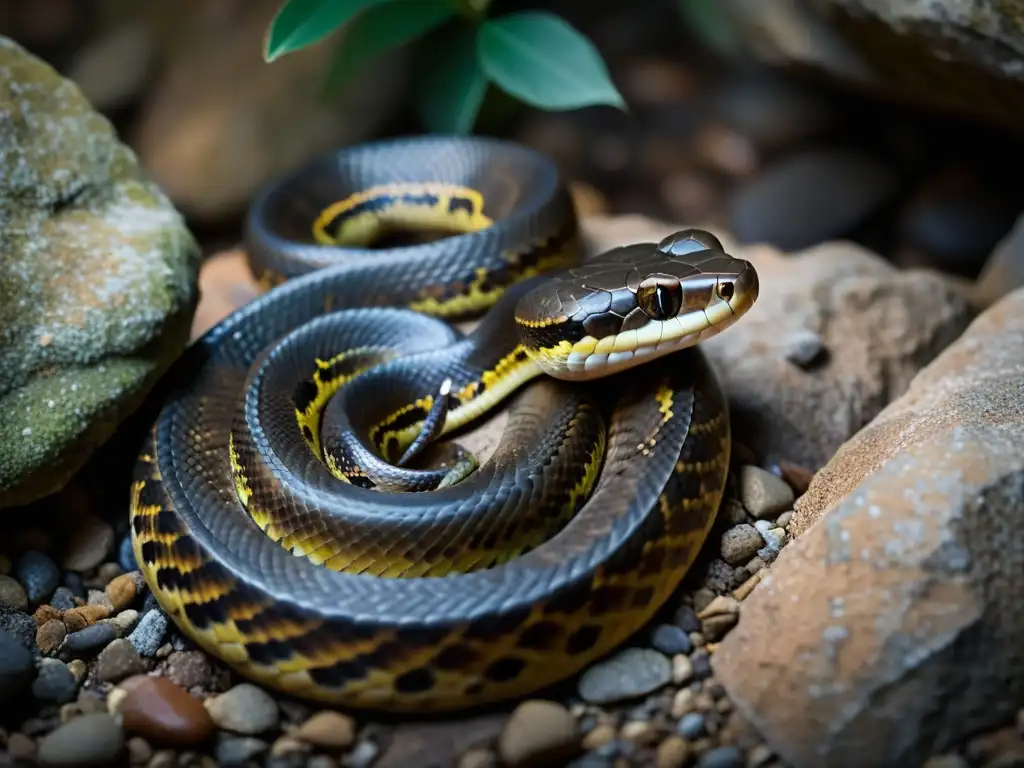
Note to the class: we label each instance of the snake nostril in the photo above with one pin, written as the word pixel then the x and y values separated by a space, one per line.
pixel 726 290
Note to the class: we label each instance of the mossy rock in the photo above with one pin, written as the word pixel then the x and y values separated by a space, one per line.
pixel 98 279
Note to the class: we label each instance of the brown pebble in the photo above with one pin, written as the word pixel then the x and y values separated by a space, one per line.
pixel 163 713
pixel 287 745
pixel 45 613
pixel 78 668
pixel 189 669
pixel 165 758
pixel 139 751
pixel 84 615
pixel 720 606
pixel 328 730
pixel 642 732
pixel 21 747
pixel 599 736
pixel 50 635
pixel 716 627
pixel 743 590
pixel 122 591
pixel 537 733
pixel 478 757
pixel 673 752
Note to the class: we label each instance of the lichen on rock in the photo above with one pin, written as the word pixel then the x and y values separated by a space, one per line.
pixel 97 279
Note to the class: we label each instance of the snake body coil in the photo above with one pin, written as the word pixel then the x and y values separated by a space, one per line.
pixel 292 509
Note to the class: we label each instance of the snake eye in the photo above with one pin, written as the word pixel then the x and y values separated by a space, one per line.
pixel 660 299
pixel 726 290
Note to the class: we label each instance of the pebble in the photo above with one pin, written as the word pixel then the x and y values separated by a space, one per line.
pixel 90 639
pixel 740 543
pixel 122 590
pixel 671 639
pixel 682 669
pixel 774 539
pixel 642 732
pixel 784 518
pixel 38 574
pixel 90 542
pixel 87 740
pixel 763 493
pixel 673 752
pixel 118 661
pixel 809 197
pixel 538 733
pixel 12 594
pixel 630 673
pixel 721 757
pixel 328 730
pixel 21 747
pixel 74 582
pixel 478 757
pixel 239 750
pixel 363 755
pixel 83 616
pixel 599 736
pixel 189 668
pixel 245 709
pixel 164 713
pixel 125 621
pixel 78 669
pixel 17 666
pixel 686 619
pixel 701 665
pixel 148 636
pixel 54 683
pixel 126 556
pixel 139 751
pixel 691 725
pixel 63 599
pixel 99 597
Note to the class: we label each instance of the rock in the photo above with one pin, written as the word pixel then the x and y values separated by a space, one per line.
pixel 91 639
pixel 722 757
pixel 55 683
pixel 363 755
pixel 197 136
pixel 104 272
pixel 670 639
pixel 190 669
pixel 904 584
pixel 239 750
pixel 139 751
pixel 686 619
pixel 740 543
pixel 17 666
pixel 629 673
pixel 691 725
pixel 880 325
pixel 20 626
pixel 1004 269
pixel 673 752
pixel 122 590
pixel 125 555
pixel 86 741
pixel 63 599
pixel 37 573
pixel 328 730
pixel 164 714
pixel 50 635
pixel 442 741
pixel 89 542
pixel 148 636
pixel 125 621
pixel 118 661
pixel 764 494
pixel 83 616
pixel 22 748
pixel 245 709
pixel 12 595
pixel 809 197
pixel 538 733
pixel 682 669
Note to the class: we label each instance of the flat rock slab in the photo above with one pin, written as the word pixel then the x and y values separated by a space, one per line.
pixel 891 628
pixel 97 279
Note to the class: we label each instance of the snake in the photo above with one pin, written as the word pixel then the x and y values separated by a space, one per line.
pixel 301 505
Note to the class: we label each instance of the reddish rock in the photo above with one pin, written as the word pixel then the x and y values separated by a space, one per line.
pixel 163 713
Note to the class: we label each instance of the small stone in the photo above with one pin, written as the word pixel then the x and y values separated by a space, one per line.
pixel 599 736
pixel 63 599
pixel 478 757
pixel 163 758
pixel 88 740
pixel 328 730
pixel 289 745
pixel 722 757
pixel 682 669
pixel 701 665
pixel 78 669
pixel 691 725
pixel 90 639
pixel 17 666
pixel 702 597
pixel 115 700
pixel 12 594
pixel 671 639
pixel 784 518
pixel 189 669
pixel 673 752
pixel 86 615
pixel 628 674
pixel 717 627
pixel 686 619
pixel 139 751
pixel 122 590
pixel 238 750
pixel 697 638
pixel 73 581
pixel 759 755
pixel 21 747
pixel 740 543
pixel 54 683
pixel 50 635
pixel 125 621
pixel 754 565
pixel 763 493
pixel 99 597
pixel 164 713
pixel 45 613
pixel 148 636
pixel 90 542
pixel 538 733
pixel 118 661
pixel 126 556
pixel 363 755
pixel 643 732
pixel 245 709
pixel 39 576
pixel 721 605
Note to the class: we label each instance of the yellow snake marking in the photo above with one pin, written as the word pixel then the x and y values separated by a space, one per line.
pixel 242 489
pixel 364 217
pixel 664 397
pixel 326 385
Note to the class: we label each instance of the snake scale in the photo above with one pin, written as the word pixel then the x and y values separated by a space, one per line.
pixel 295 509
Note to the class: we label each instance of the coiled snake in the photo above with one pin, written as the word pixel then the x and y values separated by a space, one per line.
pixel 293 510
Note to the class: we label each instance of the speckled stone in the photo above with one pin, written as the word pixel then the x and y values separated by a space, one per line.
pixel 38 574
pixel 246 709
pixel 630 673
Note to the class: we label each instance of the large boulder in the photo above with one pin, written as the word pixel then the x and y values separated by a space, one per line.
pixel 97 279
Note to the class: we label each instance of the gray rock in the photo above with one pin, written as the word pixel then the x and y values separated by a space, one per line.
pixel 903 585
pixel 671 639
pixel 764 494
pixel 1004 269
pixel 91 639
pixel 245 709
pixel 148 636
pixel 38 574
pixel 686 619
pixel 20 626
pixel 63 599
pixel 17 666
pixel 691 725
pixel 740 543
pixel 630 673
pixel 239 750
pixel 99 274
pixel 722 757
pixel 12 594
pixel 87 741
pixel 118 661
pixel 55 683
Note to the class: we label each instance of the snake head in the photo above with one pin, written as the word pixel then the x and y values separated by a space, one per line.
pixel 634 304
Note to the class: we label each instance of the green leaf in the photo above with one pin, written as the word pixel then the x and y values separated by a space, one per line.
pixel 383 27
pixel 540 58
pixel 451 85
pixel 300 23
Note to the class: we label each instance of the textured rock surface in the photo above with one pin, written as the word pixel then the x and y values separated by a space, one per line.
pixel 97 279
pixel 890 630
pixel 961 55
pixel 873 326
pixel 1004 270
